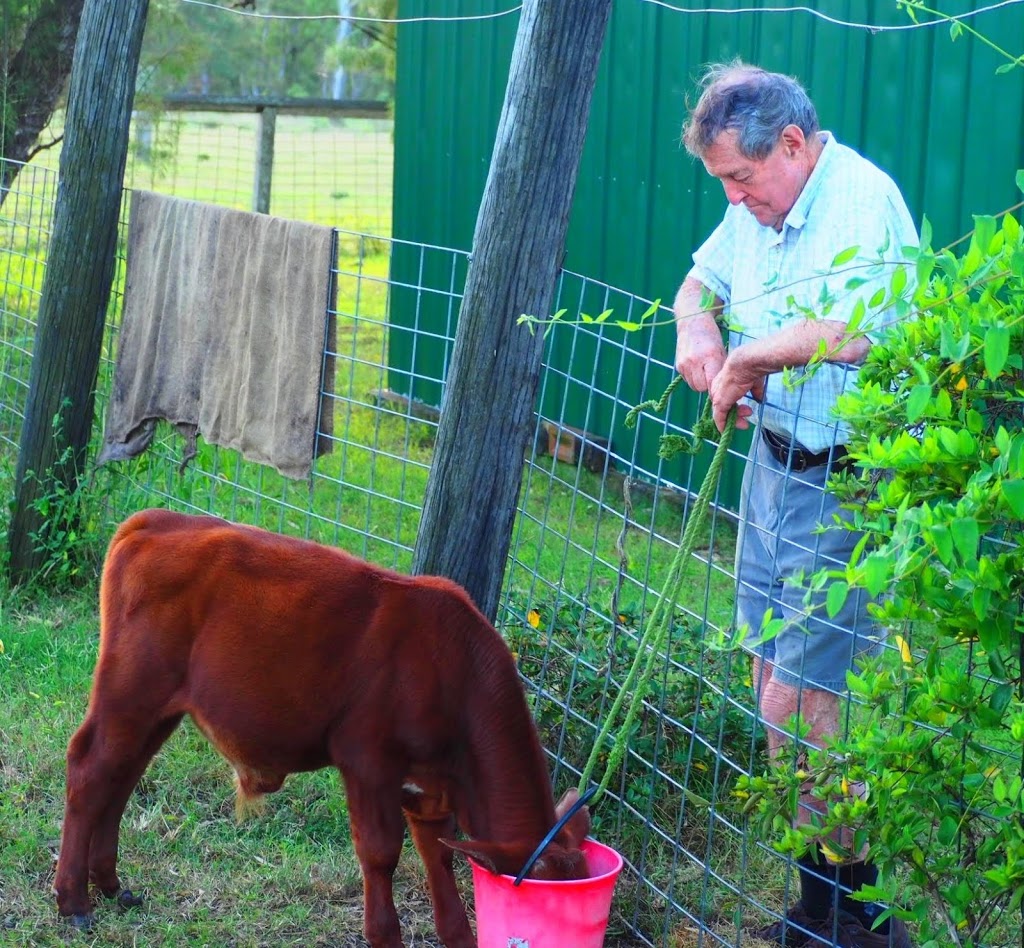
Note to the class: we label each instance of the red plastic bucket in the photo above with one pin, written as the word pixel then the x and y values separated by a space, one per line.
pixel 538 914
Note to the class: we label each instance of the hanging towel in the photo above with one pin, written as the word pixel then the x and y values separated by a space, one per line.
pixel 226 315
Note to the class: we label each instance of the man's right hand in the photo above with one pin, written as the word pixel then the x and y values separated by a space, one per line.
pixel 700 353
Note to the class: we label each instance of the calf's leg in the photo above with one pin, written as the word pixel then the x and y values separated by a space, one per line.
pixel 449 912
pixel 375 817
pixel 103 848
pixel 105 760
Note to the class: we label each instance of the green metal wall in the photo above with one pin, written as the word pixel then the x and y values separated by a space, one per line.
pixel 930 111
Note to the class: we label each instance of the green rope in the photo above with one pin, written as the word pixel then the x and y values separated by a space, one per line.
pixel 652 640
pixel 670 445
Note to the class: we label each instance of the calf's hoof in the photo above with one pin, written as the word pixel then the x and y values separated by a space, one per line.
pixel 128 899
pixel 83 922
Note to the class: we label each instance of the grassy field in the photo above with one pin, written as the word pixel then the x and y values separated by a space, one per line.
pixel 333 171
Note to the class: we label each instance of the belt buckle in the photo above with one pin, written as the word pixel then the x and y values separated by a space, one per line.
pixel 799 460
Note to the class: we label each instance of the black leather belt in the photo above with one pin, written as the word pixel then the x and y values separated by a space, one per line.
pixel 802 459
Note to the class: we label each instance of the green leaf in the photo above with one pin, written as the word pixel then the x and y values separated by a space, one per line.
pixel 997 349
pixel 876 573
pixel 926 233
pixel 899 281
pixel 965 537
pixel 947 830
pixel 917 401
pixel 1020 179
pixel 1013 494
pixel 857 317
pixel 949 441
pixel 628 326
pixel 984 231
pixel 1001 698
pixel 1005 68
pixel 844 256
pixel 603 316
pixel 836 598
pixel 943 541
pixel 651 310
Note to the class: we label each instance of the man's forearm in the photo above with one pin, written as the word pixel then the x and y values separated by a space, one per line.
pixel 802 342
pixel 693 311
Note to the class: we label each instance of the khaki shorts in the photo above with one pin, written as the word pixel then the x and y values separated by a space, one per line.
pixel 779 538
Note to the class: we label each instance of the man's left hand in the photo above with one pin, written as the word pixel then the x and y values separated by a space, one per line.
pixel 738 378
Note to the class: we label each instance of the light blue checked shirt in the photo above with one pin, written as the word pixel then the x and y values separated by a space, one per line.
pixel 765 277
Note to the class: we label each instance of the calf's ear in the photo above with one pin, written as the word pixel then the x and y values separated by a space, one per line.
pixel 578 827
pixel 500 858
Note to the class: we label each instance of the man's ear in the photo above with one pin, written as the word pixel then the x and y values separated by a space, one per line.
pixel 793 139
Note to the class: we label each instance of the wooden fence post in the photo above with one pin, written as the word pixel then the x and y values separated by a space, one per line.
pixel 79 272
pixel 488 411
pixel 264 160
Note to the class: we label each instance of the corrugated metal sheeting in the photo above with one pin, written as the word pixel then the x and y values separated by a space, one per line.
pixel 930 111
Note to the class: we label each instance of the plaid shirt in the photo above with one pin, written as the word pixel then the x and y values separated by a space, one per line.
pixel 768 279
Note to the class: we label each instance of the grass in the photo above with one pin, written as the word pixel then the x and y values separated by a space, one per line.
pixel 288 878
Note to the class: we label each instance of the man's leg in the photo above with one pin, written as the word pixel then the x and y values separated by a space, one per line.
pixel 801 673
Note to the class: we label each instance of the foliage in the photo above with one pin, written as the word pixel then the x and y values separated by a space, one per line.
pixel 35 61
pixel 67 515
pixel 365 50
pixel 938 433
pixel 563 647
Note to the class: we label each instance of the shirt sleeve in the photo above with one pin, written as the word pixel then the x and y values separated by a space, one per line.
pixel 714 259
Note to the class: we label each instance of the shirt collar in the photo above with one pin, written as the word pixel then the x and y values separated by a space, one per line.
pixel 797 215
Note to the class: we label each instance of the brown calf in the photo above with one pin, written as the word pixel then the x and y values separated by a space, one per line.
pixel 291 656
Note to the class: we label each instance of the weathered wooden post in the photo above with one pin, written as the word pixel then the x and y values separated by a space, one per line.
pixel 264 160
pixel 489 404
pixel 79 270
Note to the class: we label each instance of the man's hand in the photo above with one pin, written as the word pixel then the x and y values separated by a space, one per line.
pixel 738 378
pixel 700 353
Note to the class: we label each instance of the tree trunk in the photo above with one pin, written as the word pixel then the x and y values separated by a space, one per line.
pixel 34 80
pixel 79 272
pixel 488 411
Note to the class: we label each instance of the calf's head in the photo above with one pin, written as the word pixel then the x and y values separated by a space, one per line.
pixel 562 859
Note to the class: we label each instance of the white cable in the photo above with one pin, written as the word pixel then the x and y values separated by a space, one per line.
pixel 355 19
pixel 871 27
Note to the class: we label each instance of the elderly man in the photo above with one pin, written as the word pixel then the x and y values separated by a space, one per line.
pixel 797 199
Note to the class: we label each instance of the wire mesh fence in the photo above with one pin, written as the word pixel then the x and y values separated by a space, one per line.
pixel 594 536
pixel 331 168
pixel 597 528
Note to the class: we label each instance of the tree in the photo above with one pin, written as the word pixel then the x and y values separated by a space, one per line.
pixel 363 58
pixel 35 62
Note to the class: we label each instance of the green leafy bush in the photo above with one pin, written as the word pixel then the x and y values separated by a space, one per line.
pixel 937 737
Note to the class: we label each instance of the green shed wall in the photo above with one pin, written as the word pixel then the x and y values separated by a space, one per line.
pixel 930 111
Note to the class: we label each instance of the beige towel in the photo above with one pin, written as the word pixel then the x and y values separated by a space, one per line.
pixel 223 332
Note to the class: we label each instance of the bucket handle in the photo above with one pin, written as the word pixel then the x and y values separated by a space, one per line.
pixel 553 832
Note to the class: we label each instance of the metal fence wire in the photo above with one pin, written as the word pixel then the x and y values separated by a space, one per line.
pixel 594 536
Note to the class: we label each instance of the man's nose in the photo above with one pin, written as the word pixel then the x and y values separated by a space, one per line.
pixel 733 192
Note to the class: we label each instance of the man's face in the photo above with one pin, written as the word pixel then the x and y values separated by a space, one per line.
pixel 767 188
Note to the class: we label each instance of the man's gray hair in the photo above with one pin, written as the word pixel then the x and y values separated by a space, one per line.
pixel 756 103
